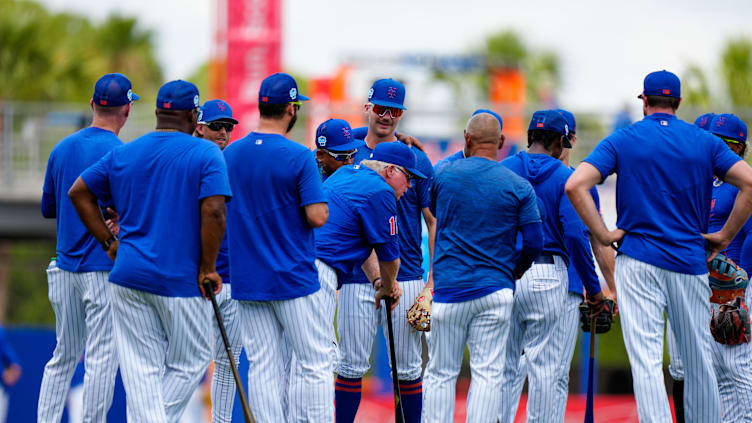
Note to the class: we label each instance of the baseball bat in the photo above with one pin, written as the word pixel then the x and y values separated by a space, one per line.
pixel 243 399
pixel 589 403
pixel 399 414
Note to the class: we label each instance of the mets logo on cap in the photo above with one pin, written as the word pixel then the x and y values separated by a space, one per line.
pixel 370 93
pixel 293 93
pixel 346 133
pixel 391 92
pixel 322 141
pixel 195 100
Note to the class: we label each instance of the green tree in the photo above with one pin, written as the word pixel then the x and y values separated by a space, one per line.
pixel 695 91
pixel 736 69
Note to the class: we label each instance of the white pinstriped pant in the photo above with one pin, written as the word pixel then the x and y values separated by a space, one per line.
pixel 482 324
pixel 83 317
pixel 327 300
pixel 357 322
pixel 303 323
pixel 645 293
pixel 563 341
pixel 538 302
pixel 164 347
pixel 733 369
pixel 223 383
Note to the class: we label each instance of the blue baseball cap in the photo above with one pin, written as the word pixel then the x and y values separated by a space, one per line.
pixel 336 135
pixel 398 154
pixel 703 121
pixel 569 117
pixel 113 89
pixel 551 120
pixel 215 110
pixel 388 93
pixel 663 83
pixel 728 126
pixel 177 95
pixel 280 88
pixel 492 113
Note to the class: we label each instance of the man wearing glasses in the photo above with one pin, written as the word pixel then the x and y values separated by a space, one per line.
pixel 357 324
pixel 335 146
pixel 215 123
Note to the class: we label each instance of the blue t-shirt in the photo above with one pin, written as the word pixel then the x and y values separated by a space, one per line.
pixel 409 209
pixel 665 169
pixel 272 249
pixel 449 159
pixel 77 250
pixel 575 282
pixel 479 207
pixel 724 196
pixel 156 183
pixel 362 216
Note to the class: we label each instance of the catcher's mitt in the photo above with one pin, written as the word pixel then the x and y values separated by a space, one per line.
pixel 602 321
pixel 727 280
pixel 419 315
pixel 730 326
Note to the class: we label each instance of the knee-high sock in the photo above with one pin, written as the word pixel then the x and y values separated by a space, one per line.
pixel 347 393
pixel 412 399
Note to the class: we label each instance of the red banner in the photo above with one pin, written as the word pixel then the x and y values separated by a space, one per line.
pixel 253 40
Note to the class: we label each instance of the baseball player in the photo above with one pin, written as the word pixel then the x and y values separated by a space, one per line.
pixel 475 268
pixel 215 123
pixel 279 201
pixel 164 180
pixel 540 294
pixel 9 374
pixel 665 169
pixel 462 153
pixel 78 288
pixel 335 146
pixel 732 364
pixel 383 111
pixel 564 338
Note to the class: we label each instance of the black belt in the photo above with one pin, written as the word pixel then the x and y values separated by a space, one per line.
pixel 544 259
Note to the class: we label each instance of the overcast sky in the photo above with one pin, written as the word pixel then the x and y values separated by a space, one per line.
pixel 606 47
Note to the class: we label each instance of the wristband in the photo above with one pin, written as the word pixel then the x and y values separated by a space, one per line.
pixel 109 241
pixel 373 282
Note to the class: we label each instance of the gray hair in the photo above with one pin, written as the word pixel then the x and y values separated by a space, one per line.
pixel 376 165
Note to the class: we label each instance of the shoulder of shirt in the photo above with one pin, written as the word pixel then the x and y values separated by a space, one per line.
pixel 82 136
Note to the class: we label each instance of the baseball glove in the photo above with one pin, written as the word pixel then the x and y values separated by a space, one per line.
pixel 730 326
pixel 602 321
pixel 419 315
pixel 727 280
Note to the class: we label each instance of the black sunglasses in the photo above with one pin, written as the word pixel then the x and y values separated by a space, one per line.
pixel 217 126
pixel 341 157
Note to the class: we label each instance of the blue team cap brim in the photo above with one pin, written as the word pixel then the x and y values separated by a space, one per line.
pixel 134 96
pixel 415 172
pixel 389 104
pixel 301 97
pixel 352 145
pixel 221 117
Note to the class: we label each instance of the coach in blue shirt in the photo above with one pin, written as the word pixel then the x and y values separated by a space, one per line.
pixel 78 278
pixel 480 206
pixel 335 146
pixel 279 201
pixel 169 189
pixel 463 153
pixel 663 191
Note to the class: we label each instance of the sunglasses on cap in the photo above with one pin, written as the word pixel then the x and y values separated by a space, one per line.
pixel 217 126
pixel 341 157
pixel 381 110
pixel 729 140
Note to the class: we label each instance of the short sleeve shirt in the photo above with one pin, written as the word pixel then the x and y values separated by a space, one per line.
pixel 479 206
pixel 77 250
pixel 362 215
pixel 665 169
pixel 271 245
pixel 156 183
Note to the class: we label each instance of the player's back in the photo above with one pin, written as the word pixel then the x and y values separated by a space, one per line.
pixel 665 168
pixel 156 183
pixel 77 250
pixel 479 205
pixel 355 196
pixel 271 244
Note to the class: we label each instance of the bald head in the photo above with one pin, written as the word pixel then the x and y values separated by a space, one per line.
pixel 483 128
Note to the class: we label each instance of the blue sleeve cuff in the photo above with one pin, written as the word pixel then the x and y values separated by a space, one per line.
pixel 388 251
pixel 48 205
